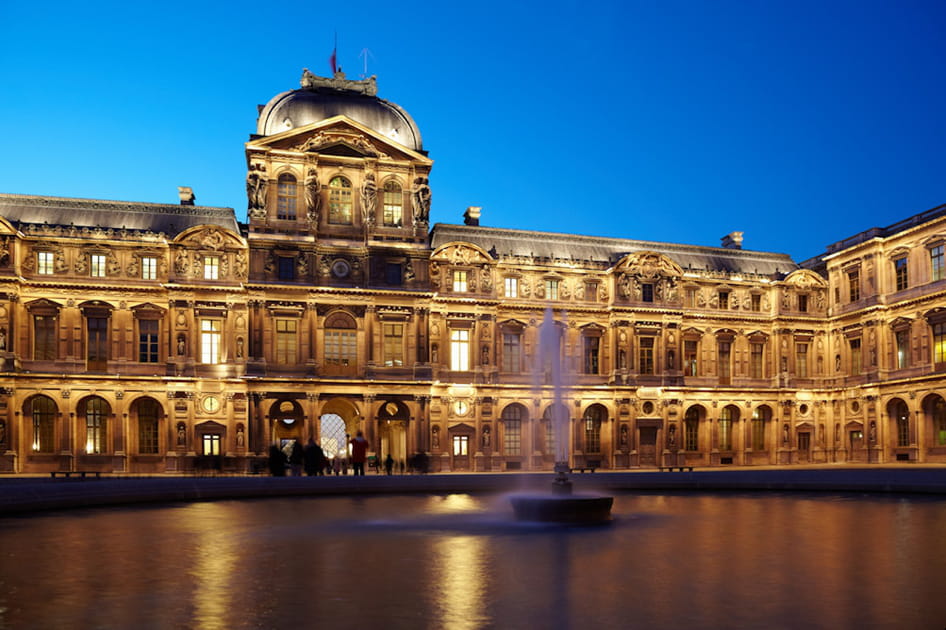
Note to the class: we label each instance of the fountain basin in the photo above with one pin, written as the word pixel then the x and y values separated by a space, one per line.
pixel 568 509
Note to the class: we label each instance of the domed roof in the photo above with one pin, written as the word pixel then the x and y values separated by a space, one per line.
pixel 320 98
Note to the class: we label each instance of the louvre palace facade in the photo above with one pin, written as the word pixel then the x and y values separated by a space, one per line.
pixel 149 338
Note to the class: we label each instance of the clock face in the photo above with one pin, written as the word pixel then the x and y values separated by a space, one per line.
pixel 461 407
pixel 211 404
pixel 340 268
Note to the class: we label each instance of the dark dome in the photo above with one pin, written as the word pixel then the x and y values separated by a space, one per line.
pixel 320 99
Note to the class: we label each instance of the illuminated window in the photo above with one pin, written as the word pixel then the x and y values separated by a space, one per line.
pixel 44 338
pixel 512 425
pixel 938 414
pixel 903 348
pixel 591 348
pixel 211 267
pixel 691 425
pixel 96 412
pixel 210 443
pixel 393 204
pixel 900 273
pixel 854 285
pixel 461 445
pixel 43 410
pixel 148 413
pixel 147 341
pixel 901 414
pixel 512 352
pixel 689 357
pixel 801 360
pixel 512 287
pixel 339 201
pixel 551 289
pixel 855 356
pixel 646 355
pixel 340 347
pixel 755 302
pixel 939 342
pixel 286 197
pixel 593 419
pixel 726 418
pixel 460 350
pixel 287 342
pixel 459 281
pixel 44 263
pixel 937 266
pixel 210 335
pixel 97 265
pixel 759 417
pixel 149 268
pixel 756 366
pixel 724 299
pixel 394 344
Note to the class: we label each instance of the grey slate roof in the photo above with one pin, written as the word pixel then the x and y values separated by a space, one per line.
pixel 608 251
pixel 169 219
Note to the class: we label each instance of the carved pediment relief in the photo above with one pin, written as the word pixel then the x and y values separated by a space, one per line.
pixel 209 238
pixel 339 142
pixel 649 265
pixel 806 279
pixel 461 254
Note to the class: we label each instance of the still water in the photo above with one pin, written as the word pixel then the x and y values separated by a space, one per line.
pixel 458 561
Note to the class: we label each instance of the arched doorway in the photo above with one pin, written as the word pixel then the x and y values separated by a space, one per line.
pixel 339 420
pixel 898 414
pixel 593 423
pixel 288 424
pixel 760 439
pixel 393 418
pixel 934 429
pixel 692 419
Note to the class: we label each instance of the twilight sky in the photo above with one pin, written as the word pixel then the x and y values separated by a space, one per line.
pixel 798 122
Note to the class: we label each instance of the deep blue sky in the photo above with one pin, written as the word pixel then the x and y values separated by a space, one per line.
pixel 798 122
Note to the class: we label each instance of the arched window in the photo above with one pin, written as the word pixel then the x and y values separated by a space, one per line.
pixel 286 191
pixel 512 418
pixel 339 201
pixel 936 411
pixel 96 413
pixel 43 410
pixel 691 428
pixel 341 348
pixel 760 417
pixel 393 204
pixel 900 414
pixel 148 414
pixel 594 416
pixel 553 416
pixel 726 418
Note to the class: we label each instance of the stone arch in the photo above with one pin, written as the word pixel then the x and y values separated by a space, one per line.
pixel 934 420
pixel 148 426
pixel 40 423
pixel 95 414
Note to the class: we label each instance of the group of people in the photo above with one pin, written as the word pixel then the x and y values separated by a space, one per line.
pixel 312 460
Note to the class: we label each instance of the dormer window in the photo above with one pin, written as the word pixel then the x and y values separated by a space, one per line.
pixel 44 263
pixel 97 265
pixel 211 267
pixel 339 201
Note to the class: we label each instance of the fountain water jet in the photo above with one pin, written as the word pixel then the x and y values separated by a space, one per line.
pixel 561 506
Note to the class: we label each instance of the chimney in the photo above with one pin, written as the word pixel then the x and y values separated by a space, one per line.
pixel 186 194
pixel 472 215
pixel 733 240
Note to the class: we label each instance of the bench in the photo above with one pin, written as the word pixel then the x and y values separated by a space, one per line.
pixel 583 469
pixel 81 474
pixel 678 468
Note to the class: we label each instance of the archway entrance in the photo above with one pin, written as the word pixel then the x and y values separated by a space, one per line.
pixel 339 420
pixel 393 418
pixel 288 424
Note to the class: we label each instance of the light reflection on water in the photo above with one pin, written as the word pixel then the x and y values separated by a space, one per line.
pixel 460 562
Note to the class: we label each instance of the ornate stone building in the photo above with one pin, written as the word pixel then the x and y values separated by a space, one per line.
pixel 150 338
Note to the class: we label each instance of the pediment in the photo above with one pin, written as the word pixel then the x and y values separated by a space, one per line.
pixel 806 279
pixel 461 254
pixel 210 237
pixel 649 265
pixel 339 136
pixel 6 228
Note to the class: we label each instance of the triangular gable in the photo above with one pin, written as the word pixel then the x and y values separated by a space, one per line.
pixel 338 135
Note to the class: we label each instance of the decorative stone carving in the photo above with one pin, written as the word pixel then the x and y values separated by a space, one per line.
pixel 369 199
pixel 313 196
pixel 239 266
pixel 256 184
pixel 81 266
pixel 420 198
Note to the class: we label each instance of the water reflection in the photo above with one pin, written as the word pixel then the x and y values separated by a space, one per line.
pixel 669 561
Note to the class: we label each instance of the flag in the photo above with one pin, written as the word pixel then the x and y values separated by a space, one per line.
pixel 332 61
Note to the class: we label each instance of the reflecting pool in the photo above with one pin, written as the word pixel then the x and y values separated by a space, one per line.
pixel 460 561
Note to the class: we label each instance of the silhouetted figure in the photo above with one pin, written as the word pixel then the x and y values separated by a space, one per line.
pixel 359 453
pixel 314 459
pixel 296 458
pixel 277 461
pixel 389 464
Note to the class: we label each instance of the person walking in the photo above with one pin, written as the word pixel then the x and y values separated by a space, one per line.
pixel 277 461
pixel 389 464
pixel 313 459
pixel 359 452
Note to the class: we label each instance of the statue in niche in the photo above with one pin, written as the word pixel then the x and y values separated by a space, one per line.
pixel 837 363
pixel 837 433
pixel 671 359
pixel 3 339
pixel 820 435
pixel 224 266
pixel 302 265
pixel 622 359
pixel 313 196
pixel 181 345
pixel 435 442
pixel 624 435
pixel 819 300
pixel 240 437
pixel 487 282
pixel 786 299
pixel 420 198
pixel 181 434
pixel 872 341
pixel 785 435
pixel 484 354
pixel 3 433
pixel 672 437
pixel 239 347
pixel 239 266
pixel 486 437
pixel 269 266
pixel 369 199
pixel 4 252
pixel 873 432
pixel 434 353
pixel 181 264
pixel 409 275
pixel 256 184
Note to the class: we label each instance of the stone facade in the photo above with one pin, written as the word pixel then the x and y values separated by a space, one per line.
pixel 177 338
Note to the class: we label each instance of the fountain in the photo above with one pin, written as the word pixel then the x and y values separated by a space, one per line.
pixel 560 505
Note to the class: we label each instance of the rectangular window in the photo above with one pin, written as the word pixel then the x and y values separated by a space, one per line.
pixel 801 360
pixel 591 347
pixel 512 438
pixel 551 289
pixel 461 445
pixel 691 429
pixel 340 347
pixel 149 268
pixel 903 349
pixel 459 281
pixel 900 273
pixel 939 342
pixel 97 343
pixel 937 267
pixel 393 344
pixel 97 265
pixel 393 204
pixel 210 335
pixel 689 357
pixel 855 356
pixel 646 355
pixel 854 285
pixel 512 357
pixel 724 299
pixel 802 303
pixel 393 275
pixel 94 431
pixel 591 291
pixel 287 341
pixel 592 435
pixel 755 302
pixel 44 263
pixel 210 443
pixel 512 287
pixel 690 299
pixel 147 341
pixel 647 292
pixel 758 433
pixel 147 433
pixel 725 434
pixel 756 369
pixel 211 268
pixel 44 338
pixel 460 350
pixel 286 268
pixel 725 360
